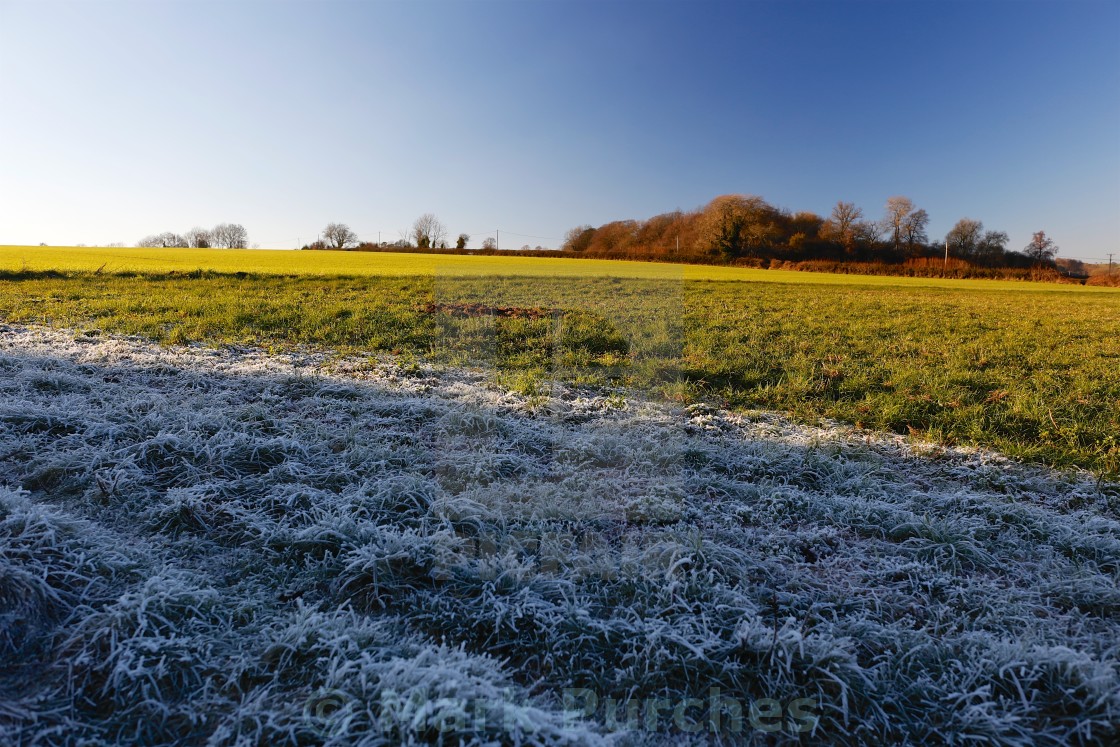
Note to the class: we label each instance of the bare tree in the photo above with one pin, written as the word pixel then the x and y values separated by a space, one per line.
pixel 904 223
pixel 991 247
pixel 968 240
pixel 229 236
pixel 238 236
pixel 199 238
pixel 868 232
pixel 898 207
pixel 914 228
pixel 842 225
pixel 427 231
pixel 165 240
pixel 1042 248
pixel 339 236
pixel 489 243
pixel 218 236
pixel 963 239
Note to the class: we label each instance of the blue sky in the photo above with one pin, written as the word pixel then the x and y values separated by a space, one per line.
pixel 122 119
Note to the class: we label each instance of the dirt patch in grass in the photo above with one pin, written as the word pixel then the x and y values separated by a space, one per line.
pixel 464 310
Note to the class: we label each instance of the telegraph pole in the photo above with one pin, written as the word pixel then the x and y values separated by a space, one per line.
pixel 497 239
pixel 1110 264
pixel 945 266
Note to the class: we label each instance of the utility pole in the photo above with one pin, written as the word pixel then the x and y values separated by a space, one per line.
pixel 945 266
pixel 497 239
pixel 1110 264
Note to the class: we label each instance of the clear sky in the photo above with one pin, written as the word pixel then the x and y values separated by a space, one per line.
pixel 121 119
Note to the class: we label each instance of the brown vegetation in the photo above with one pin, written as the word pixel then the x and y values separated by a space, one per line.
pixel 464 310
pixel 745 230
pixel 733 228
pixel 1109 281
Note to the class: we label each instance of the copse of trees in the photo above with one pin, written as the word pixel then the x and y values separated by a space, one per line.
pixel 221 236
pixel 339 236
pixel 739 225
pixel 845 226
pixel 906 225
pixel 166 240
pixel 229 236
pixel 969 241
pixel 427 233
pixel 745 229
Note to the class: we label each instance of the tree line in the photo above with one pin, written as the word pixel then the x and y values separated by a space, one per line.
pixel 221 236
pixel 427 232
pixel 745 228
pixel 733 229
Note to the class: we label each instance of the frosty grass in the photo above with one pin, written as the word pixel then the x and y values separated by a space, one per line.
pixel 230 547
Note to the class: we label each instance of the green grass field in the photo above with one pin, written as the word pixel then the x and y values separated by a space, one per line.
pixel 1030 369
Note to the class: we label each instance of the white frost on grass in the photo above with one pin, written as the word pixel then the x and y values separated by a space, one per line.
pixel 230 547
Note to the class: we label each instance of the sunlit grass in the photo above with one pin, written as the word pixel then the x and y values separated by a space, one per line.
pixel 1035 374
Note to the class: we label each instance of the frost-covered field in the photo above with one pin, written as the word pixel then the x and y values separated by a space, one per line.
pixel 227 547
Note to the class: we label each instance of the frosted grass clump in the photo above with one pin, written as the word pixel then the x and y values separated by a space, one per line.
pixel 205 546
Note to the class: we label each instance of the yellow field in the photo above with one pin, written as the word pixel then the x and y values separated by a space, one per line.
pixel 329 263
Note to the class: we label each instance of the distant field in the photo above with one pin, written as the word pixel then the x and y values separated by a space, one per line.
pixel 289 262
pixel 1030 369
